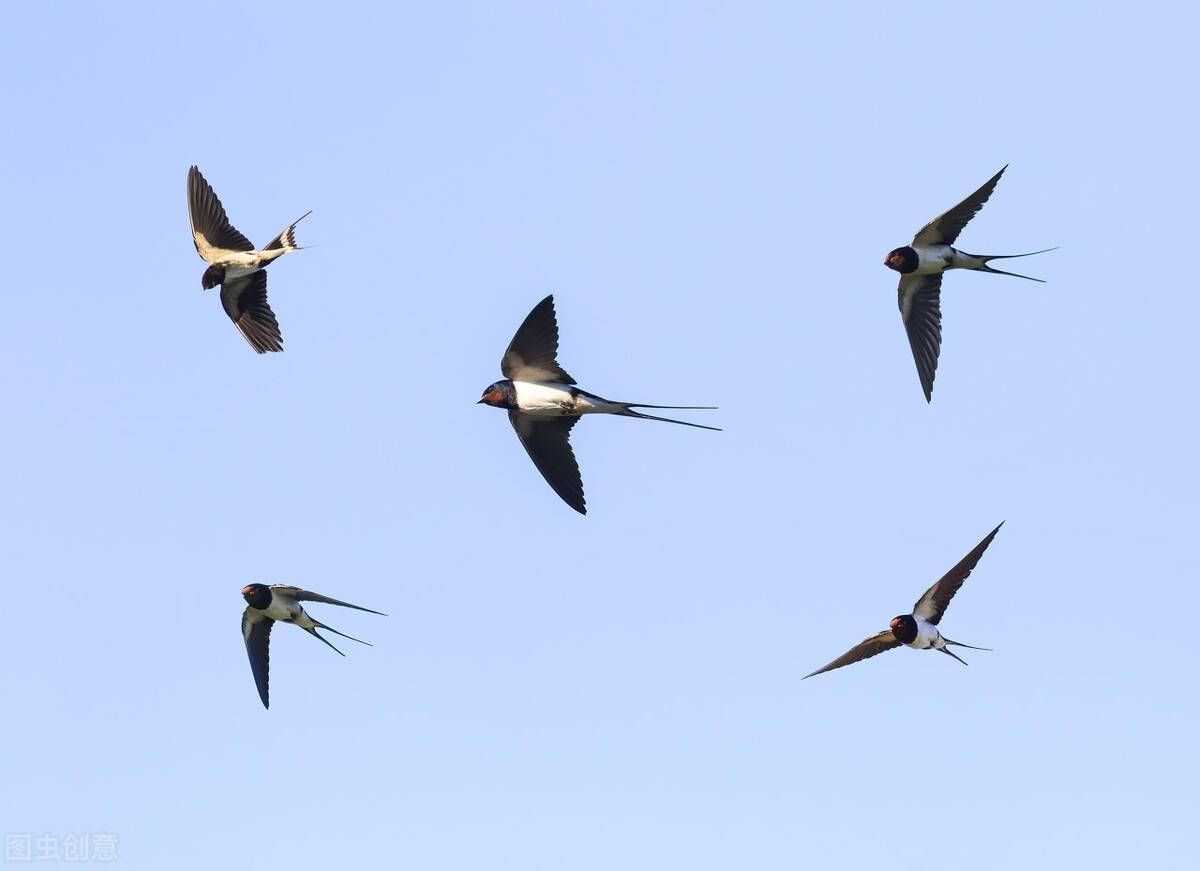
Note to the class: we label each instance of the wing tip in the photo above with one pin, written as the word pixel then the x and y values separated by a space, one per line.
pixel 196 182
pixel 548 303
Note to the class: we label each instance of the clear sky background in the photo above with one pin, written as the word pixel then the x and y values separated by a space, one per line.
pixel 709 192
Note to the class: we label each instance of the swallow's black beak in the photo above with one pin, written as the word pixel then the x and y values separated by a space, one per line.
pixel 480 401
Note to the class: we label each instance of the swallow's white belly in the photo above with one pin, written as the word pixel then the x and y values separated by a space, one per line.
pixel 934 259
pixel 927 636
pixel 552 399
pixel 280 610
pixel 544 398
pixel 236 271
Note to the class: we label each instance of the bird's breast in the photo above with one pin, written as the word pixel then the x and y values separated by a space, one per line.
pixel 934 259
pixel 927 635
pixel 544 398
pixel 279 609
pixel 235 271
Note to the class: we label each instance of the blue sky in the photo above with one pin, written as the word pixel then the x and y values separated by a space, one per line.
pixel 709 192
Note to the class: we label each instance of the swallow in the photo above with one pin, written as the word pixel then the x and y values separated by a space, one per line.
pixel 237 265
pixel 919 630
pixel 921 265
pixel 265 605
pixel 543 403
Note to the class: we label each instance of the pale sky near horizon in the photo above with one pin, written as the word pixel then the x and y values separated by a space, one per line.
pixel 709 191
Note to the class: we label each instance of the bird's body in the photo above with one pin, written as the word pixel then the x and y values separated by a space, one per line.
pixel 927 636
pixel 936 259
pixel 544 403
pixel 278 603
pixel 919 630
pixel 236 265
pixel 555 399
pixel 286 609
pixel 239 264
pixel 921 264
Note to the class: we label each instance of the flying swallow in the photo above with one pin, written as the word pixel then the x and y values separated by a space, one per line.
pixel 919 630
pixel 237 265
pixel 265 605
pixel 543 403
pixel 921 265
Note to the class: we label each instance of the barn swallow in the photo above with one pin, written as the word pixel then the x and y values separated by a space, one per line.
pixel 543 403
pixel 265 605
pixel 919 629
pixel 921 265
pixel 237 265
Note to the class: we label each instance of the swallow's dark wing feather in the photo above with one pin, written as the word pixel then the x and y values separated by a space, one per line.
pixel 245 301
pixel 933 604
pixel 256 631
pixel 944 229
pixel 865 649
pixel 306 596
pixel 533 352
pixel 548 444
pixel 211 230
pixel 921 308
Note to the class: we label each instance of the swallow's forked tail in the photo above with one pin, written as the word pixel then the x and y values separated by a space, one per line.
pixel 319 625
pixel 959 644
pixel 989 257
pixel 628 411
pixel 287 239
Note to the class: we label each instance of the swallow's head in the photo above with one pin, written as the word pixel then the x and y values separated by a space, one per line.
pixel 903 260
pixel 213 276
pixel 257 595
pixel 904 628
pixel 499 395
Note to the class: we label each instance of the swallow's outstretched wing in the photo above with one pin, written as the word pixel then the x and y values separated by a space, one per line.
pixel 932 605
pixel 944 229
pixel 532 354
pixel 547 441
pixel 865 649
pixel 307 596
pixel 211 230
pixel 921 308
pixel 245 301
pixel 256 632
